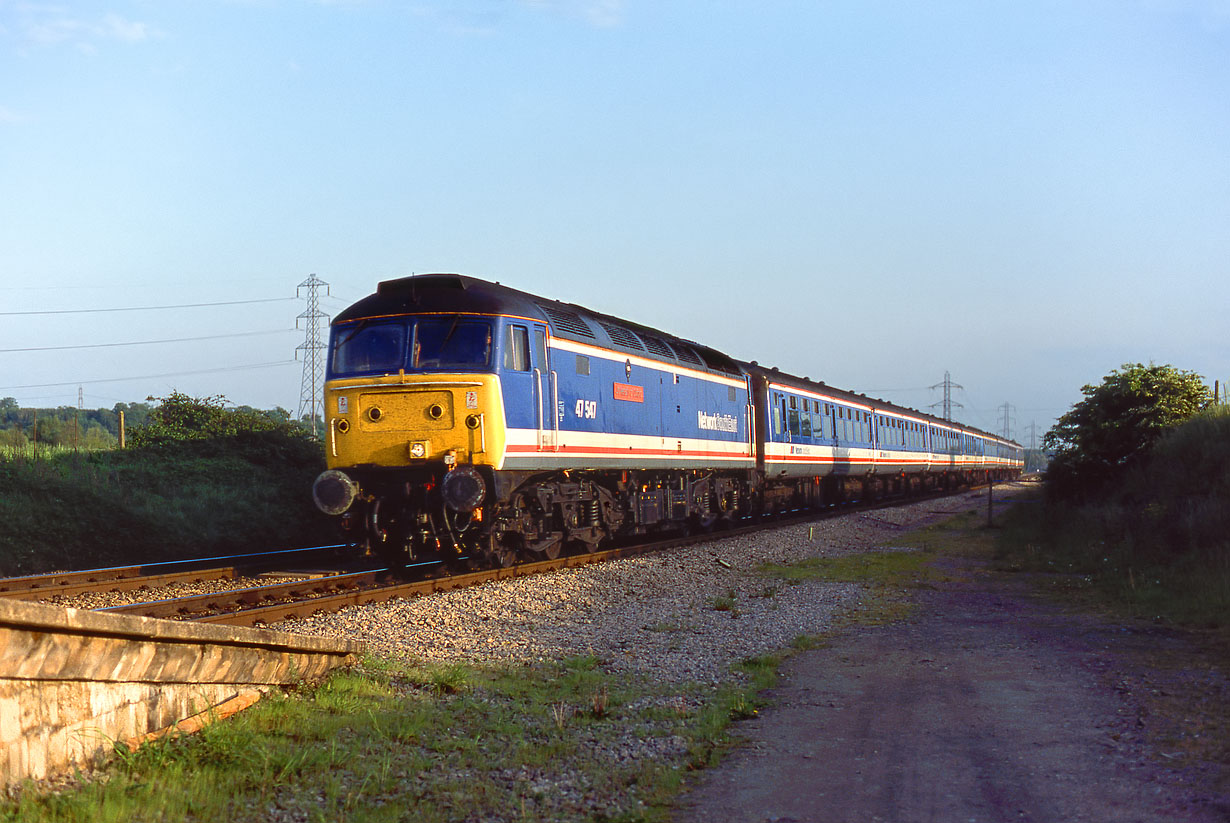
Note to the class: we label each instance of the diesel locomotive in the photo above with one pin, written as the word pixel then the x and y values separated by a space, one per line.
pixel 466 418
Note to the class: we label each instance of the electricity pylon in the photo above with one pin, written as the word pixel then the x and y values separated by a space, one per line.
pixel 311 388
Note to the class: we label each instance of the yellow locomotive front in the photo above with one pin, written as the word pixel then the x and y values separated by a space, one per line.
pixel 414 429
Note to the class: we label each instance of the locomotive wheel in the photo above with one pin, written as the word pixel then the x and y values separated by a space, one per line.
pixel 503 553
pixel 582 546
pixel 701 523
pixel 549 548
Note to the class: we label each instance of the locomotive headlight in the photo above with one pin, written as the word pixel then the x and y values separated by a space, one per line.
pixel 450 457
pixel 418 449
pixel 463 489
pixel 334 491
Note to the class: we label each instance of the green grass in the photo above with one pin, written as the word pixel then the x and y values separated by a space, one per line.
pixel 198 498
pixel 888 574
pixel 387 743
pixel 1092 553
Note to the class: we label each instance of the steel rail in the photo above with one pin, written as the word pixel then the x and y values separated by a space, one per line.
pixel 150 575
pixel 178 607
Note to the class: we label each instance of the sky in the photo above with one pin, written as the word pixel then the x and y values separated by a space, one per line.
pixel 867 192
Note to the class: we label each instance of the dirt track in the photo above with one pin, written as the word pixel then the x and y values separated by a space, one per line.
pixel 988 705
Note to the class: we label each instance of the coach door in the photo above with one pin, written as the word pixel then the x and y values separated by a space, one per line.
pixel 546 390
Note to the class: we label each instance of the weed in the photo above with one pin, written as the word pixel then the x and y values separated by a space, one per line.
pixel 451 679
pixel 561 713
pixel 599 701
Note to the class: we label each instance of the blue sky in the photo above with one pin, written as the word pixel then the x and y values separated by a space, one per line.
pixel 1026 195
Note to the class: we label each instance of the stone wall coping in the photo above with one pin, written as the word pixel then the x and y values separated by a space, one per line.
pixel 25 615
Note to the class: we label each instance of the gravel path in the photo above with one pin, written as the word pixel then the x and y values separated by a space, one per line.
pixel 684 615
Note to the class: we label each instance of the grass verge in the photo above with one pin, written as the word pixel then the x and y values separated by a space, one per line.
pixel 889 575
pixel 1096 554
pixel 394 741
pixel 201 498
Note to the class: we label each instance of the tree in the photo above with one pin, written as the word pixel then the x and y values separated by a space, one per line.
pixel 1118 422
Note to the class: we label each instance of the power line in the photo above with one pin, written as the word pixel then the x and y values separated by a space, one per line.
pixel 247 367
pixel 145 308
pixel 147 342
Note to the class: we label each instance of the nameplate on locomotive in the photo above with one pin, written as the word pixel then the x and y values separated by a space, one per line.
pixel 633 394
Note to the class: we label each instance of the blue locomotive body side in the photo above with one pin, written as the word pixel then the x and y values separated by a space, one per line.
pixel 596 407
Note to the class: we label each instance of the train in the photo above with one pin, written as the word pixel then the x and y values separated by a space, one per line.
pixel 467 419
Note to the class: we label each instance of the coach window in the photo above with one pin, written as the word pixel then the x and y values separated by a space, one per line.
pixel 792 418
pixel 517 348
pixel 805 421
pixel 777 419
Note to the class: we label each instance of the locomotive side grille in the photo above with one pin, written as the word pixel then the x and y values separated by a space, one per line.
pixel 567 321
pixel 687 355
pixel 658 347
pixel 621 336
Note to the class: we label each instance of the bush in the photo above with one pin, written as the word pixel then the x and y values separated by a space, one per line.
pixel 1157 537
pixel 180 417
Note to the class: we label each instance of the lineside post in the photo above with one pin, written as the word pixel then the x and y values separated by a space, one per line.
pixel 990 486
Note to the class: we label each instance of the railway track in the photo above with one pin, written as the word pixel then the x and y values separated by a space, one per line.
pixel 156 575
pixel 332 591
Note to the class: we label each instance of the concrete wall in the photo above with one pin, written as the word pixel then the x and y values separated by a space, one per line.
pixel 73 682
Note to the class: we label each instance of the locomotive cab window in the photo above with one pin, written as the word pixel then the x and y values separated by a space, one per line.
pixel 517 348
pixel 451 342
pixel 367 348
